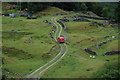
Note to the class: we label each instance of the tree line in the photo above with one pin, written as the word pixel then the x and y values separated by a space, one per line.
pixel 105 9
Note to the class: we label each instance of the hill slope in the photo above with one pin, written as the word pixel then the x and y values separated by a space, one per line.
pixel 51 11
pixel 54 10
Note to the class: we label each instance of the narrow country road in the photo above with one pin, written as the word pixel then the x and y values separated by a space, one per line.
pixel 40 71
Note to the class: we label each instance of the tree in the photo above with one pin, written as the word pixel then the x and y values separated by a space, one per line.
pixel 36 6
pixel 83 7
pixel 118 12
pixel 105 12
pixel 89 5
pixel 106 9
pixel 80 6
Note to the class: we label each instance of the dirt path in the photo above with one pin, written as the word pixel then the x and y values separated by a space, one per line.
pixel 40 71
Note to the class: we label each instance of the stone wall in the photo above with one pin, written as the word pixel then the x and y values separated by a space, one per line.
pixel 112 52
pixel 90 51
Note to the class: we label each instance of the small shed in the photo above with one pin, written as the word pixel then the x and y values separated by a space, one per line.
pixel 11 15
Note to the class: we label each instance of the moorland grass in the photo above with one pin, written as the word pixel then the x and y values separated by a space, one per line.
pixel 77 63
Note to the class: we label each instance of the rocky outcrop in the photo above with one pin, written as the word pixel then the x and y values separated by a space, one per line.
pixel 100 44
pixel 112 52
pixel 99 18
pixel 65 20
pixel 106 37
pixel 46 21
pixel 31 17
pixel 104 42
pixel 81 19
pixel 98 23
pixel 90 51
pixel 5 14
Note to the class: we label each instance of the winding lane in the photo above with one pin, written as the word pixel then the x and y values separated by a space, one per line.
pixel 61 53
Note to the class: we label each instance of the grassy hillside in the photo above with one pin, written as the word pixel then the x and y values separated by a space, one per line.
pixel 50 11
pixel 27 45
pixel 77 63
pixel 22 55
pixel 54 9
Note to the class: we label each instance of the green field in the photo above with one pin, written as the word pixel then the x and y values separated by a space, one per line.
pixel 77 63
pixel 38 47
pixel 31 46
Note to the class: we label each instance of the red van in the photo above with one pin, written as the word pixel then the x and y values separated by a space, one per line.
pixel 61 39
